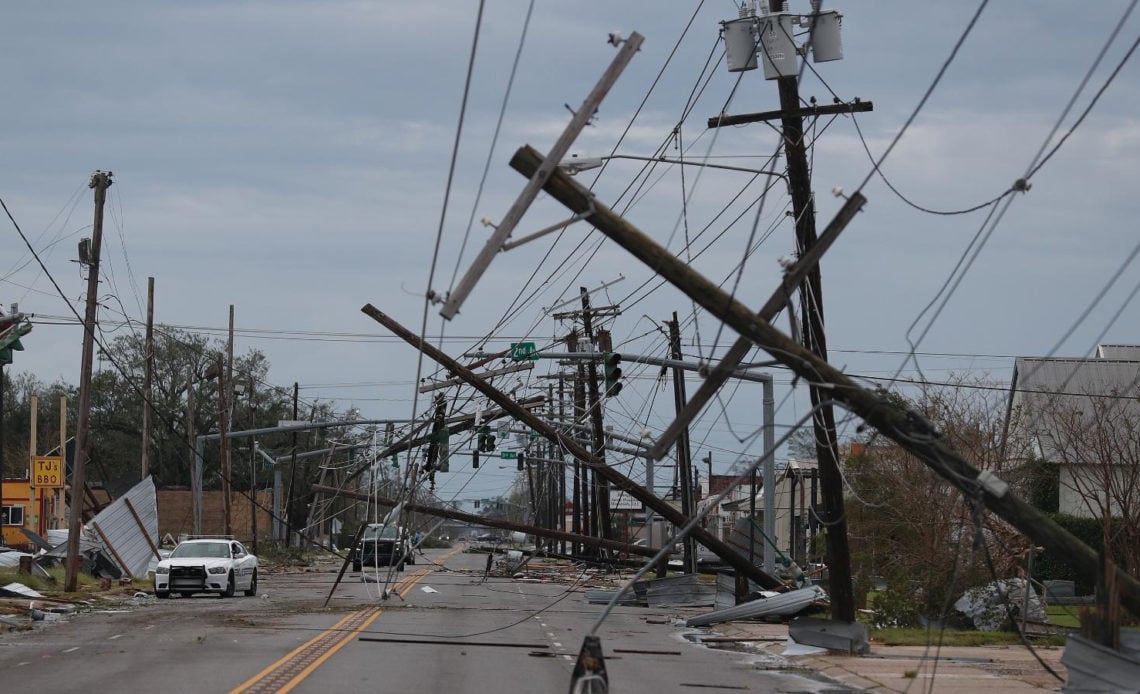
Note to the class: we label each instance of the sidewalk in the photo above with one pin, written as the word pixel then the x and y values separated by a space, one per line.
pixel 902 668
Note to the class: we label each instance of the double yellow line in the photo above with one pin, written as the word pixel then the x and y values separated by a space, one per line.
pixel 285 674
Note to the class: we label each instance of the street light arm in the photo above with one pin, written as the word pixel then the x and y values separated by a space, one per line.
pixel 579 164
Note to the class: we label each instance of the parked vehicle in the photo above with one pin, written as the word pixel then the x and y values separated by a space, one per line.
pixel 206 566
pixel 382 546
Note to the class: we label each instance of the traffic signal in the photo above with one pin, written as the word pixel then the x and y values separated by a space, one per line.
pixel 486 440
pixel 475 464
pixel 611 361
pixel 521 462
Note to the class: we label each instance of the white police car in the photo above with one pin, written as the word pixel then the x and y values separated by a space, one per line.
pixel 206 566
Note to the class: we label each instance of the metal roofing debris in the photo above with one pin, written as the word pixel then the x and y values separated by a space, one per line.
pixel 20 590
pixel 1096 668
pixel 783 604
pixel 36 540
pixel 8 559
pixel 830 634
pixel 128 528
pixel 680 591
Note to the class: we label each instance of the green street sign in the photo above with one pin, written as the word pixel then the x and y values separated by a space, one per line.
pixel 524 351
pixel 508 455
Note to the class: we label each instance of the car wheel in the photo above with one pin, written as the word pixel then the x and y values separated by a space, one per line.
pixel 162 594
pixel 229 591
pixel 252 590
pixel 400 567
pixel 356 566
pixel 411 558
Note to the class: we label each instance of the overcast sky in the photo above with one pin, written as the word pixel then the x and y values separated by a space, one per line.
pixel 291 158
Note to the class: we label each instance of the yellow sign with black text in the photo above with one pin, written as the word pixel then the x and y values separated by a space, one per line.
pixel 47 472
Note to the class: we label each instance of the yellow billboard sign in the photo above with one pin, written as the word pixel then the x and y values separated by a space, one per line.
pixel 47 471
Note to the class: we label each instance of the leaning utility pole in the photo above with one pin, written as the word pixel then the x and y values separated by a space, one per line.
pixel 907 428
pixel 148 382
pixel 100 182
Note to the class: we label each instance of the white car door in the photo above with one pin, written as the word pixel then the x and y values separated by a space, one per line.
pixel 241 558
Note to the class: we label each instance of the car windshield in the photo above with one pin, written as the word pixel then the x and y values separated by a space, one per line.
pixel 205 550
pixel 390 532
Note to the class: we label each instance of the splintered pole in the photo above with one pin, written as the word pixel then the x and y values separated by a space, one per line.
pixel 571 446
pixel 905 427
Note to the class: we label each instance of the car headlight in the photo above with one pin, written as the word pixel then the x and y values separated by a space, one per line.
pixel 217 569
pixel 163 570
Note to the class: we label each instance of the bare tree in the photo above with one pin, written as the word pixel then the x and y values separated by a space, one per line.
pixel 1095 440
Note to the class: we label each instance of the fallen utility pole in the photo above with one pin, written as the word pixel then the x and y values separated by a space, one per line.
pixel 908 428
pixel 571 446
pixel 438 512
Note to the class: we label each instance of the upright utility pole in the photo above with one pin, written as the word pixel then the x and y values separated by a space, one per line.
pixel 684 466
pixel 191 437
pixel 582 506
pixel 562 471
pixel 225 390
pixel 598 445
pixel 148 380
pixel 252 467
pixel 290 512
pixel 811 309
pixel 100 182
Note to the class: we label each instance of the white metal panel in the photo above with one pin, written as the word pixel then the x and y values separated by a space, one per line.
pixel 122 531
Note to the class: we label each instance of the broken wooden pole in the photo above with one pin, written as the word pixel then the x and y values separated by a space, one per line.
pixel 908 428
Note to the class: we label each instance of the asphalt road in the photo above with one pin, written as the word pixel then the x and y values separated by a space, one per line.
pixel 442 628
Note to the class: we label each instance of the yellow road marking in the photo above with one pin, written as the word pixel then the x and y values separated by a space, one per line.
pixel 283 675
pixel 297 652
pixel 329 653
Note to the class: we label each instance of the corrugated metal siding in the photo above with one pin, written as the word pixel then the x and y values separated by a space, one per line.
pixel 122 531
pixel 1065 385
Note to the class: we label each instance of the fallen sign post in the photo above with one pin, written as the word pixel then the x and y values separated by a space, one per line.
pixel 907 428
pixel 718 547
